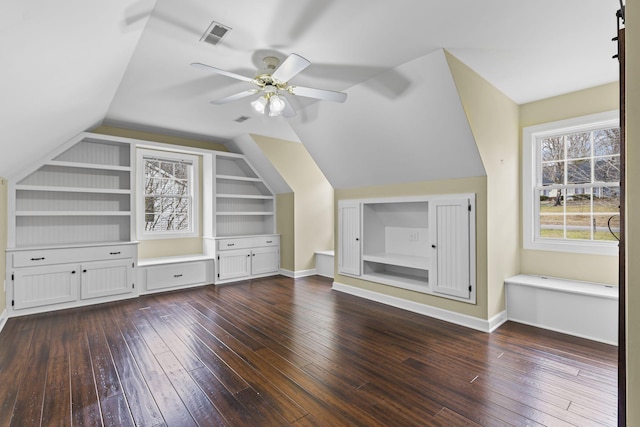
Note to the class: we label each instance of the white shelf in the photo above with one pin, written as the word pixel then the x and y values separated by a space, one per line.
pixel 73 213
pixel 244 196
pixel 238 178
pixel 400 280
pixel 399 260
pixel 88 165
pixel 72 189
pixel 243 213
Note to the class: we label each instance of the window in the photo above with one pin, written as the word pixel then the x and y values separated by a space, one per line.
pixel 571 185
pixel 167 186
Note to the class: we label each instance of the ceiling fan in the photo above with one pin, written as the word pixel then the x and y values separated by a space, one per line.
pixel 272 84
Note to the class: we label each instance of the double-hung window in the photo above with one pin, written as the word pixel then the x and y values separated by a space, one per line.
pixel 571 185
pixel 167 188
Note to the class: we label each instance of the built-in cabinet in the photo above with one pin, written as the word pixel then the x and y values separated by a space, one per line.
pixel 70 227
pixel 63 277
pixel 424 244
pixel 241 236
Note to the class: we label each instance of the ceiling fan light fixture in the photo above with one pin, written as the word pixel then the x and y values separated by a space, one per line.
pixel 260 104
pixel 276 104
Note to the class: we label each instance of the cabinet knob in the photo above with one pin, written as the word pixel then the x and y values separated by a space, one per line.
pixel 177 275
pixel 37 259
pixel 357 239
pixel 433 246
pixel 114 253
pixel 73 272
pixel 84 271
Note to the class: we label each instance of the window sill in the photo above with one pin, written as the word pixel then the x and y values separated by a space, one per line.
pixel 604 248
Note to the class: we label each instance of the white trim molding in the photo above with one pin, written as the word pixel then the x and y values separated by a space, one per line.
pixel 426 310
pixel 297 274
pixel 3 319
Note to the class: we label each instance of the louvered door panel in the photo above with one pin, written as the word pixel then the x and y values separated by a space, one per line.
pixel 349 238
pixel 100 279
pixel 234 264
pixel 449 221
pixel 40 286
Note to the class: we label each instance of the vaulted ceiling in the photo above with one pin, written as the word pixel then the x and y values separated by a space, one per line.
pixel 71 65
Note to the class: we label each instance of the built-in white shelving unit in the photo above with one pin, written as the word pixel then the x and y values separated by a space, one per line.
pixel 242 236
pixel 81 195
pixel 424 244
pixel 71 227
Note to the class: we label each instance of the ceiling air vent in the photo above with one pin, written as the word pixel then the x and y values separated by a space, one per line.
pixel 214 33
pixel 241 119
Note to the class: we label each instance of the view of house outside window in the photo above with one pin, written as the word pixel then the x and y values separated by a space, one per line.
pixel 571 185
pixel 579 185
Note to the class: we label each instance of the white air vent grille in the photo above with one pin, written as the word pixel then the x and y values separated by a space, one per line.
pixel 215 33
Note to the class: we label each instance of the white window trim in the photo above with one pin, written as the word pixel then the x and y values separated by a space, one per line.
pixel 194 231
pixel 529 208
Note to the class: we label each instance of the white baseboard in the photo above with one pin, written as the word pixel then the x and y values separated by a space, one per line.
pixel 296 274
pixel 427 310
pixel 3 319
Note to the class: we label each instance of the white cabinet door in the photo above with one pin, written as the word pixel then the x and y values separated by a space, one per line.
pixel 265 260
pixel 234 264
pixel 37 286
pixel 450 267
pixel 104 278
pixel 349 238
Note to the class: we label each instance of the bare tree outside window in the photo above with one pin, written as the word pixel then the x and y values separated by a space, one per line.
pixel 579 185
pixel 167 195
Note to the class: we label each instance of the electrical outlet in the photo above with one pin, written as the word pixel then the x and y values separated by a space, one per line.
pixel 414 236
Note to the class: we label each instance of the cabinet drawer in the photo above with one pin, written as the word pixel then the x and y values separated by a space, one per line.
pixel 179 274
pixel 241 243
pixel 266 241
pixel 65 255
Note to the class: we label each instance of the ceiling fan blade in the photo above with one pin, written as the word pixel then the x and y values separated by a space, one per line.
pixel 223 72
pixel 290 67
pixel 288 110
pixel 234 97
pixel 325 95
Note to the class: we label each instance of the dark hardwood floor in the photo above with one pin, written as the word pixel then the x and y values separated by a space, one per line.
pixel 278 352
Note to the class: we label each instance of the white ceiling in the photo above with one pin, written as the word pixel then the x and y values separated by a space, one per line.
pixel 70 65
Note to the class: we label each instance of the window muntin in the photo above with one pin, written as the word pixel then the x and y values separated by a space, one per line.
pixel 168 206
pixel 572 185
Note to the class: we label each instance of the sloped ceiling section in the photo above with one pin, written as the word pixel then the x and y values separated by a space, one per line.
pixel 406 125
pixel 62 62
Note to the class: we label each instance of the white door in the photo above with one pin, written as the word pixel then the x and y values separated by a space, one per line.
pixel 265 260
pixel 349 238
pixel 234 264
pixel 33 287
pixel 450 266
pixel 104 278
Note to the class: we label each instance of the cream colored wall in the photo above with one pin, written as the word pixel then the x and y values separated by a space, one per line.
pixel 313 198
pixel 453 186
pixel 633 210
pixel 3 238
pixel 493 119
pixel 285 208
pixel 168 247
pixel 593 268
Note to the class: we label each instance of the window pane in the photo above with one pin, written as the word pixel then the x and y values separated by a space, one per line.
pixel 551 201
pixel 579 227
pixel 579 145
pixel 553 173
pixel 607 169
pixel 578 200
pixel 606 142
pixel 552 226
pixel 552 148
pixel 579 171
pixel 603 222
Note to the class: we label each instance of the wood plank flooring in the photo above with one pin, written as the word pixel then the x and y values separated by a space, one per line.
pixel 284 352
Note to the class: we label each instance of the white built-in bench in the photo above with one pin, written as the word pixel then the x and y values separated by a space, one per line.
pixel 583 309
pixel 175 272
pixel 324 263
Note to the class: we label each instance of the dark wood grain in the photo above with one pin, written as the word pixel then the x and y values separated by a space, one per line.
pixel 278 351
